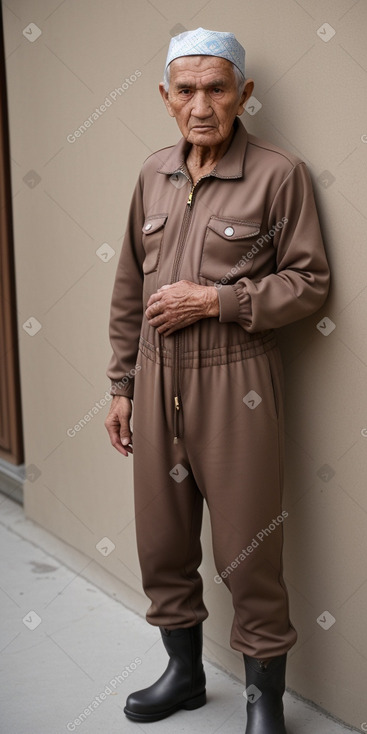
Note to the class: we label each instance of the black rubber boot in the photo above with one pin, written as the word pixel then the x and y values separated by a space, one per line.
pixel 182 685
pixel 265 686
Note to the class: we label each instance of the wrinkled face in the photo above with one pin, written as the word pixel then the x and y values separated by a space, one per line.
pixel 203 97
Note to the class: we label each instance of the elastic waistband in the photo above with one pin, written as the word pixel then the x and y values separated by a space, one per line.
pixel 257 344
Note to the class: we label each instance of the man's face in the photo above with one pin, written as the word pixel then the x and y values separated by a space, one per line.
pixel 204 99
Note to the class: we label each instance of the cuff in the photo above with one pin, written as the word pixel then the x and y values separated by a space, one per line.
pixel 120 388
pixel 229 305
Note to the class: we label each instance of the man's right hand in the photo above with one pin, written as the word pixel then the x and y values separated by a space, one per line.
pixel 118 424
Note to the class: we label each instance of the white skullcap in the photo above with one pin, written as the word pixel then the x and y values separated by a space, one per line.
pixel 201 42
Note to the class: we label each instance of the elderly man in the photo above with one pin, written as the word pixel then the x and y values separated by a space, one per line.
pixel 222 246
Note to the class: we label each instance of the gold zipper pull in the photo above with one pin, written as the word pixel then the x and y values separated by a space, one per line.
pixel 190 196
pixel 177 403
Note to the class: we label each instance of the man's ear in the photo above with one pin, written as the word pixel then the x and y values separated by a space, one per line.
pixel 245 96
pixel 166 101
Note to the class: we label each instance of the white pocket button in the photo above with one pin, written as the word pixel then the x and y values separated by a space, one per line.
pixel 229 231
pixel 148 227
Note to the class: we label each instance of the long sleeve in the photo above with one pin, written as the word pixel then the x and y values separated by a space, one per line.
pixel 299 285
pixel 126 310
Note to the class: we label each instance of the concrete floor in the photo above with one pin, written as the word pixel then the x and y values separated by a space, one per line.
pixel 66 645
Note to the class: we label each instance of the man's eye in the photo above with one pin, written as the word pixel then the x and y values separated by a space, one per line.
pixel 217 90
pixel 185 92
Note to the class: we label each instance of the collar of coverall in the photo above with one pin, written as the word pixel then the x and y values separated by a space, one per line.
pixel 230 166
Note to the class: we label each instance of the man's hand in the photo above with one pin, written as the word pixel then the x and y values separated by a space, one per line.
pixel 180 304
pixel 118 424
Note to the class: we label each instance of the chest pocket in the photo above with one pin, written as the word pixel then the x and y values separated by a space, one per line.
pixel 229 249
pixel 152 238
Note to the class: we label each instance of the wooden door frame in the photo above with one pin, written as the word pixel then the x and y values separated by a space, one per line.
pixel 11 431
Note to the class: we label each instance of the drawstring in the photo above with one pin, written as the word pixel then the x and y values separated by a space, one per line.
pixel 175 419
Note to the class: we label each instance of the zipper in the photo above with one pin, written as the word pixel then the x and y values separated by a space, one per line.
pixel 178 336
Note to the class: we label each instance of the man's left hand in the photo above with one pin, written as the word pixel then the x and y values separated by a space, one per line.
pixel 180 304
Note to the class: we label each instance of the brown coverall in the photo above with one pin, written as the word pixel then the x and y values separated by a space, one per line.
pixel 208 400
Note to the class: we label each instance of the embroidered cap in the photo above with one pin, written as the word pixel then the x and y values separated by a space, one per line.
pixel 202 42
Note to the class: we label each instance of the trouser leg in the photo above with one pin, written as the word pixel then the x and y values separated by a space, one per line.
pixel 236 456
pixel 168 506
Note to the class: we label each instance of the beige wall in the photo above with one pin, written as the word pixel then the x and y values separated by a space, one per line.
pixel 313 100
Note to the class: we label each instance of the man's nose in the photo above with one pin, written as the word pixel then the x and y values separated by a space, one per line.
pixel 201 105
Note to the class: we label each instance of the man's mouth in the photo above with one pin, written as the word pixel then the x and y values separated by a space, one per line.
pixel 203 127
